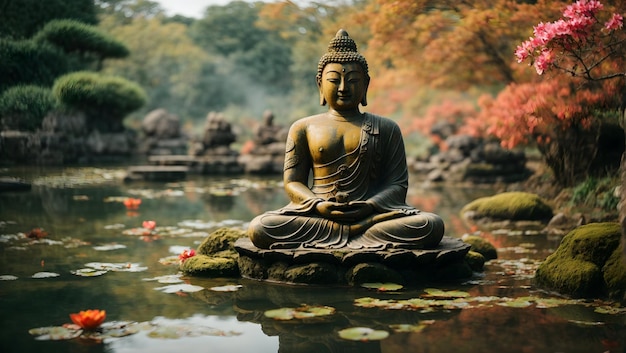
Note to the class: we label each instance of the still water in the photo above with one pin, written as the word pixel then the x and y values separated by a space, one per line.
pixel 86 222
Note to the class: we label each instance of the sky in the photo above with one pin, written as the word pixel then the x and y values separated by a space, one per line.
pixel 188 8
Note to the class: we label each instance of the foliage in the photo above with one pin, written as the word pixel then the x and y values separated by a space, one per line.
pixel 22 63
pixel 82 39
pixel 596 192
pixel 25 107
pixel 176 74
pixel 21 19
pixel 101 96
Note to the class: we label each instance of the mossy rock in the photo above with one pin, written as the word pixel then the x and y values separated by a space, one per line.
pixel 481 246
pixel 372 272
pixel 475 260
pixel 509 206
pixel 586 264
pixel 614 272
pixel 220 240
pixel 313 273
pixel 210 266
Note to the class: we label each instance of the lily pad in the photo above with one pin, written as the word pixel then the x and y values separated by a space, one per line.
pixel 178 331
pixel 383 287
pixel 441 294
pixel 411 328
pixel 227 288
pixel 363 334
pixel 302 313
pixel 170 260
pixel 109 247
pixel 8 278
pixel 175 288
pixel 88 272
pixel 167 279
pixel 55 333
pixel 45 275
pixel 117 267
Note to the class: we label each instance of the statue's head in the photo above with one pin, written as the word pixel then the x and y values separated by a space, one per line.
pixel 342 50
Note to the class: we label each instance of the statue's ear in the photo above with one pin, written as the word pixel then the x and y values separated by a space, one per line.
pixel 364 99
pixel 319 86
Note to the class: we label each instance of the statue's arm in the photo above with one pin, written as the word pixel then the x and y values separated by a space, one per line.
pixel 297 165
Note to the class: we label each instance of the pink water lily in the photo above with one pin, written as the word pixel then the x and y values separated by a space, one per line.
pixel 89 319
pixel 150 225
pixel 186 254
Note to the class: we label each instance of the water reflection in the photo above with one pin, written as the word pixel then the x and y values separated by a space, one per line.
pixel 80 216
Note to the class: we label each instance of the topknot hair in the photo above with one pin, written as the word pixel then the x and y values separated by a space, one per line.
pixel 341 49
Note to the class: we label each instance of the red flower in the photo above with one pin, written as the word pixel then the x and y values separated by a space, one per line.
pixel 131 203
pixel 37 233
pixel 186 254
pixel 149 225
pixel 89 319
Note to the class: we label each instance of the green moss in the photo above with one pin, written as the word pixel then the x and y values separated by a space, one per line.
pixel 481 246
pixel 475 260
pixel 593 242
pixel 220 240
pixel 208 266
pixel 510 205
pixel 568 276
pixel 313 273
pixel 615 275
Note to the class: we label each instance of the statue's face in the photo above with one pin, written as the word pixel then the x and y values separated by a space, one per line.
pixel 343 86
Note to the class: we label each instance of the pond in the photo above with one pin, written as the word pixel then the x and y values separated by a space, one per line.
pixel 95 255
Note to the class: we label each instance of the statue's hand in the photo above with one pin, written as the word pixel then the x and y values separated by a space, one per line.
pixel 344 212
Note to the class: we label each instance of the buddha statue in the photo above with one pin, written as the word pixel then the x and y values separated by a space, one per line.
pixel 345 172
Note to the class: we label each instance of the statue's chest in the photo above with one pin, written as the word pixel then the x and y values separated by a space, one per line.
pixel 333 143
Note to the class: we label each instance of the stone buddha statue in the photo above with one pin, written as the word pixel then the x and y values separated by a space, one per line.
pixel 345 172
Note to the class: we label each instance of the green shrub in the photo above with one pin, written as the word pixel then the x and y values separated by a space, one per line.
pixel 99 95
pixel 27 63
pixel 24 107
pixel 75 37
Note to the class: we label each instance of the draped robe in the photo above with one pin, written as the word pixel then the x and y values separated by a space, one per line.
pixel 375 170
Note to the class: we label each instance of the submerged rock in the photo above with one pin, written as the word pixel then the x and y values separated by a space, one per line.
pixel 587 264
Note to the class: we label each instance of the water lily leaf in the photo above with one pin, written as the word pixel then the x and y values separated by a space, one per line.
pixel 8 278
pixel 383 287
pixel 175 288
pixel 88 272
pixel 440 294
pixel 228 288
pixel 302 313
pixel 117 267
pixel 45 275
pixel 516 303
pixel 408 328
pixel 587 323
pixel 55 333
pixel 168 279
pixel 108 247
pixel 612 310
pixel 363 334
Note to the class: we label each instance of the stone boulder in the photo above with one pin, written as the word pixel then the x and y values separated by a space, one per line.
pixel 508 209
pixel 587 264
pixel 162 134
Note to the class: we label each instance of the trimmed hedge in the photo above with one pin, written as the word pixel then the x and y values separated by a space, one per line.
pixel 24 107
pixel 99 95
pixel 73 36
pixel 28 63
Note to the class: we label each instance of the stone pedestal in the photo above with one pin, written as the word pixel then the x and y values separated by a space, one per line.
pixel 354 267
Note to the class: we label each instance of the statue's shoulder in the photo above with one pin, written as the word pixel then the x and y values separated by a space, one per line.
pixel 383 122
pixel 304 122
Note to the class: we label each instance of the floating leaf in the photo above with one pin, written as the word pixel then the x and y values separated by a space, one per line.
pixel 408 328
pixel 55 333
pixel 168 279
pixel 228 288
pixel 363 334
pixel 175 288
pixel 108 247
pixel 440 294
pixel 8 278
pixel 117 267
pixel 88 272
pixel 304 312
pixel 45 275
pixel 610 310
pixel 383 287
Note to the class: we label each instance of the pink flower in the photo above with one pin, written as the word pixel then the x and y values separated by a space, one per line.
pixel 616 22
pixel 89 319
pixel 150 225
pixel 186 254
pixel 523 51
pixel 544 60
pixel 583 8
